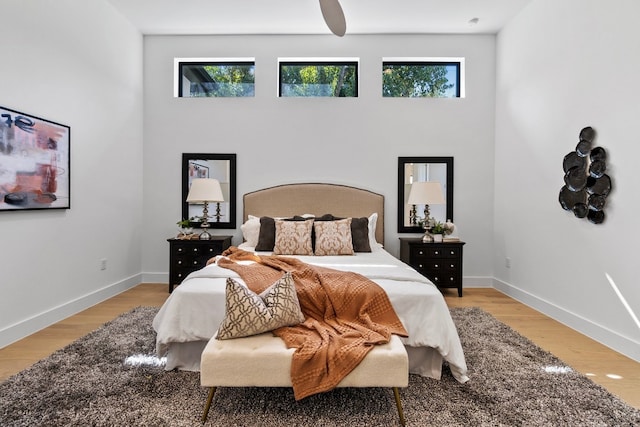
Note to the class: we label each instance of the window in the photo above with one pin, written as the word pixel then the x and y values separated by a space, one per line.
pixel 423 77
pixel 215 77
pixel 313 78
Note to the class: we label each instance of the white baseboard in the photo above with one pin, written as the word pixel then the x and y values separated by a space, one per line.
pixel 22 329
pixel 155 278
pixel 586 327
pixel 477 282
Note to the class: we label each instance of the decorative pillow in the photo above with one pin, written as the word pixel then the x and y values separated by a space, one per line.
pixel 333 237
pixel 251 231
pixel 248 313
pixel 293 237
pixel 360 234
pixel 373 219
pixel 267 234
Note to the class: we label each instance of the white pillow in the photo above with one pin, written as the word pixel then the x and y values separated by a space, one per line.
pixel 251 231
pixel 373 219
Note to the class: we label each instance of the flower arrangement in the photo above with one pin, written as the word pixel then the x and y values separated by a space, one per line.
pixel 441 228
pixel 185 227
pixel 184 223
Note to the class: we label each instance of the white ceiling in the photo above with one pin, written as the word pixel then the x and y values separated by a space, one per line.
pixel 305 17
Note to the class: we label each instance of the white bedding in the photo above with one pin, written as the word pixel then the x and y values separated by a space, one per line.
pixel 193 311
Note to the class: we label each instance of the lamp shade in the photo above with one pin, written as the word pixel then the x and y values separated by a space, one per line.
pixel 205 190
pixel 426 192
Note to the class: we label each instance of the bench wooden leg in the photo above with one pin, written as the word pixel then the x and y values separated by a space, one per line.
pixel 208 404
pixel 396 393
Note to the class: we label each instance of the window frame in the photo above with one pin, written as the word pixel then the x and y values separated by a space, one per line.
pixel 349 61
pixel 178 63
pixel 427 61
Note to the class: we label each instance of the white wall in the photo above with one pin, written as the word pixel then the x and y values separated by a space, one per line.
pixel 562 66
pixel 348 141
pixel 78 63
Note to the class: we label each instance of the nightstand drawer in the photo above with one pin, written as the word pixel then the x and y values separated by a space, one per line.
pixel 447 266
pixel 429 251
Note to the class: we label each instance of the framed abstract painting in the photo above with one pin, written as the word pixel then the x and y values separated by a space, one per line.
pixel 34 162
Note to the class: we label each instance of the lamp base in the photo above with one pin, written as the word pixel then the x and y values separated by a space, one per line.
pixel 204 235
pixel 427 238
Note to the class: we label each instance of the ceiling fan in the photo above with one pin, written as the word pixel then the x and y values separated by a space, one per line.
pixel 333 16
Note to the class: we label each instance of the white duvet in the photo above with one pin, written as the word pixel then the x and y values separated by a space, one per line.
pixel 196 307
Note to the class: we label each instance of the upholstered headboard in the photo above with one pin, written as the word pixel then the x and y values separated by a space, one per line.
pixel 316 199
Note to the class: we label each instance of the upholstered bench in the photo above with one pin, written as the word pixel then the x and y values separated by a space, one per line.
pixel 264 361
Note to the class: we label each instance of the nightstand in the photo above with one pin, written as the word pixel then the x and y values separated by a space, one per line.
pixel 187 255
pixel 439 262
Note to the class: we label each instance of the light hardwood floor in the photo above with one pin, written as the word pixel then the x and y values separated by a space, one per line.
pixel 578 351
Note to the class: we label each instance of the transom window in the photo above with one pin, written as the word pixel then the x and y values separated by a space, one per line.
pixel 197 78
pixel 317 77
pixel 423 77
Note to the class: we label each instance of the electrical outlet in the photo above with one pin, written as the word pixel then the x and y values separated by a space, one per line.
pixel 507 262
pixel 103 264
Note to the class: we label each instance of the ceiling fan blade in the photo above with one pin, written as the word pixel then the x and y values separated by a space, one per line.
pixel 333 16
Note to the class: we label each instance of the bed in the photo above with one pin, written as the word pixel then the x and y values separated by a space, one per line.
pixel 192 313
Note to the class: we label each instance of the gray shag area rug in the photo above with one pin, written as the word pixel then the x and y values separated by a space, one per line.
pixel 94 382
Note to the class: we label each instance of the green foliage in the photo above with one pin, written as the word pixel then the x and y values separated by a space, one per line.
pixel 415 81
pixel 183 223
pixel 228 80
pixel 440 228
pixel 319 80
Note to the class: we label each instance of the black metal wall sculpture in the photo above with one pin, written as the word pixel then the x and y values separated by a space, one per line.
pixel 586 185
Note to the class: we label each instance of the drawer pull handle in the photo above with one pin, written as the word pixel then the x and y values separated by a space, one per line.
pixel 436 266
pixel 451 279
pixel 210 249
pixel 452 265
pixel 195 249
pixel 195 262
pixel 180 262
pixel 452 253
pixel 420 265
pixel 420 252
pixel 436 279
pixel 179 249
pixel 179 274
pixel 437 253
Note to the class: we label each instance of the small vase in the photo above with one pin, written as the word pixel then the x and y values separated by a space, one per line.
pixel 185 231
pixel 437 238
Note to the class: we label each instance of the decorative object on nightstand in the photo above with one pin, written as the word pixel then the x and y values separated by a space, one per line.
pixel 439 262
pixel 439 231
pixel 187 255
pixel 205 190
pixel 427 193
pixel 185 228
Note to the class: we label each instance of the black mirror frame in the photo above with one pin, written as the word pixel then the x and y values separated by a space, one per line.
pixel 402 161
pixel 186 157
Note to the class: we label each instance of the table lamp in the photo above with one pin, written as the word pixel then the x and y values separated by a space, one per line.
pixel 205 190
pixel 427 193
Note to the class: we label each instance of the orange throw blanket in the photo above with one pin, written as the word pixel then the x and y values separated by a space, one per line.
pixel 346 314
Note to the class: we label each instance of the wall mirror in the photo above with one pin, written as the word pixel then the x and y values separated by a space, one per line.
pixel 421 169
pixel 218 166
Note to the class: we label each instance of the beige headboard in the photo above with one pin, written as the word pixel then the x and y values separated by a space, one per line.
pixel 316 199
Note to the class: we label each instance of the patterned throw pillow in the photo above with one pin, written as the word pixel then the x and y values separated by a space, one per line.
pixel 248 313
pixel 333 237
pixel 293 237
